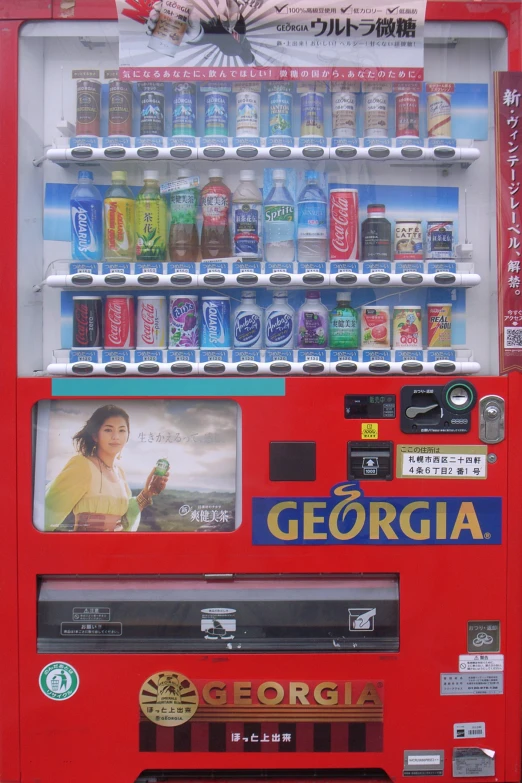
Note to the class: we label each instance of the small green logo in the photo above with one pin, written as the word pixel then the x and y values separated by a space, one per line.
pixel 59 681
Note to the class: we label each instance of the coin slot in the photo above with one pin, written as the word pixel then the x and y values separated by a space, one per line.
pixel 370 460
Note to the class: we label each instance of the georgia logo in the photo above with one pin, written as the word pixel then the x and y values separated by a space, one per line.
pixel 168 698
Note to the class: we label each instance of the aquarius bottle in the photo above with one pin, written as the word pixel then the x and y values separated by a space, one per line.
pixel 86 219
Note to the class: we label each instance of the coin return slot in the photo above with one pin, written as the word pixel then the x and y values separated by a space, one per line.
pixel 292 461
pixel 370 460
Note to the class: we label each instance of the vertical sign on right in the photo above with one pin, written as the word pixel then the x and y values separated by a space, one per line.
pixel 508 127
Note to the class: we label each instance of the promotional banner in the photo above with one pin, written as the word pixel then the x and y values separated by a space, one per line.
pixel 271 39
pixel 106 466
pixel 508 126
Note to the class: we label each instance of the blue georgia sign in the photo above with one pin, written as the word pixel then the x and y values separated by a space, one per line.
pixel 347 517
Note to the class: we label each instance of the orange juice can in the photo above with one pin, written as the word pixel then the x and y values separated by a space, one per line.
pixel 439 326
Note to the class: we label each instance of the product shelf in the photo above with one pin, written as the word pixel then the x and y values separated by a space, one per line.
pixel 216 280
pixel 442 155
pixel 277 368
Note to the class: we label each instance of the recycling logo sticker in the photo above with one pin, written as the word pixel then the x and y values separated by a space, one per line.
pixel 59 681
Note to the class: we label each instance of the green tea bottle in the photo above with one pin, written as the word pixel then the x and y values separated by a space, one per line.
pixel 151 221
pixel 344 323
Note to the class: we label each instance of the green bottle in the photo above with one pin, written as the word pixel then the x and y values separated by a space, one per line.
pixel 151 221
pixel 344 323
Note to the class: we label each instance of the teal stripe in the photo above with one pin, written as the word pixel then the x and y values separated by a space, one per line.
pixel 168 387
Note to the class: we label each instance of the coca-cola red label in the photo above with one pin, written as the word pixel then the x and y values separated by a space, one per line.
pixel 119 323
pixel 152 324
pixel 86 324
pixel 344 223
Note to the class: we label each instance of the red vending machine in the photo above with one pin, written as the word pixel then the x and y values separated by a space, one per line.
pixel 263 410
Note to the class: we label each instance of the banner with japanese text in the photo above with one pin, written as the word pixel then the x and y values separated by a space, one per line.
pixel 508 122
pixel 169 40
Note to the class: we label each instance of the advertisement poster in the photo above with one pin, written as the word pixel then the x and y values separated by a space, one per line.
pixel 187 39
pixel 508 125
pixel 111 466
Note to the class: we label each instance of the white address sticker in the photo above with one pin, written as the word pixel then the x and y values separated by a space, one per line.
pixel 433 461
pixel 468 730
pixel 481 663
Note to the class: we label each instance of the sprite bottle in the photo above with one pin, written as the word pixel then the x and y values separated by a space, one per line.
pixel 151 221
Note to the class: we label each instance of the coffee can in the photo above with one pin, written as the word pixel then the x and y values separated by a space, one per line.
pixel 184 109
pixel 151 322
pixel 439 239
pixel 439 325
pixel 87 322
pixel 407 327
pixel 408 240
pixel 120 328
pixel 376 114
pixel 183 321
pixel 247 113
pixel 344 224
pixel 407 114
pixel 344 114
pixel 88 107
pixel 152 108
pixel 120 108
pixel 312 114
pixel 438 111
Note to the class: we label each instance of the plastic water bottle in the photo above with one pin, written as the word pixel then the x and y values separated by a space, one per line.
pixel 279 322
pixel 279 213
pixel 86 219
pixel 248 322
pixel 311 221
pixel 312 327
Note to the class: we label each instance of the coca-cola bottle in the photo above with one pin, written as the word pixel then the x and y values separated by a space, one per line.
pixel 215 206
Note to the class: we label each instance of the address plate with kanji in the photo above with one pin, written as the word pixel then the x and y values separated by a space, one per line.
pixel 442 462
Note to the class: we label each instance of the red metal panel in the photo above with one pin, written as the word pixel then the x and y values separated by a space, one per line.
pixel 84 9
pixel 25 9
pixel 9 725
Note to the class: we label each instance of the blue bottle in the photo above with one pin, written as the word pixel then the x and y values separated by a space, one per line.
pixel 279 218
pixel 86 219
pixel 311 221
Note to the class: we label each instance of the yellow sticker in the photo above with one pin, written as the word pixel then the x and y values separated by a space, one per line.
pixel 369 431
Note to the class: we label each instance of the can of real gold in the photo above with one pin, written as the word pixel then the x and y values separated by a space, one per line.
pixel 439 325
pixel 407 327
pixel 408 240
pixel 375 327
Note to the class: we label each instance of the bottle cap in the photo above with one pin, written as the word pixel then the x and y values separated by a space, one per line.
pixel 247 174
pixel 85 174
pixel 248 295
pixel 344 296
pixel 376 208
pixel 215 173
pixel 313 295
pixel 119 176
pixel 279 174
pixel 310 175
pixel 184 173
pixel 280 295
pixel 149 174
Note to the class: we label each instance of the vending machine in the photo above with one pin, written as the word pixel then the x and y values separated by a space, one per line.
pixel 262 380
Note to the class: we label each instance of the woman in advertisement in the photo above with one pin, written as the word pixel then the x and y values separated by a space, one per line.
pixel 92 486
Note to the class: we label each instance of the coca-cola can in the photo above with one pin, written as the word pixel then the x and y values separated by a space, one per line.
pixel 344 224
pixel 151 322
pixel 119 322
pixel 87 322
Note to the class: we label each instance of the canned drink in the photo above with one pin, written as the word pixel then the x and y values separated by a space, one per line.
pixel 215 322
pixel 216 113
pixel 184 109
pixel 344 114
pixel 407 327
pixel 120 108
pixel 375 327
pixel 247 113
pixel 88 107
pixel 152 108
pixel 87 322
pixel 407 114
pixel 120 328
pixel 376 114
pixel 439 239
pixel 280 113
pixel 438 110
pixel 183 322
pixel 408 240
pixel 162 467
pixel 439 325
pixel 171 26
pixel 151 320
pixel 344 224
pixel 312 114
